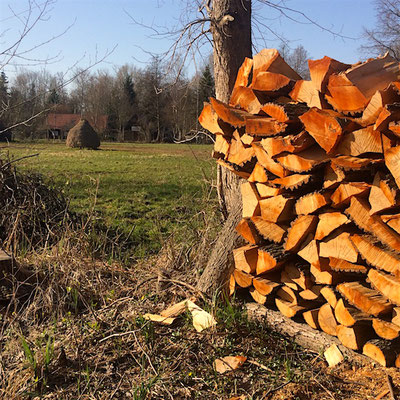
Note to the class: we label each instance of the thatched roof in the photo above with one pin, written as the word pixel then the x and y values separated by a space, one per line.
pixel 83 135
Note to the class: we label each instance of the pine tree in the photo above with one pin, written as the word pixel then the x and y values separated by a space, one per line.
pixel 129 89
pixel 54 97
pixel 206 85
pixel 4 93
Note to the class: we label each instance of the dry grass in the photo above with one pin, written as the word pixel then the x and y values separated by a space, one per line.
pixel 77 332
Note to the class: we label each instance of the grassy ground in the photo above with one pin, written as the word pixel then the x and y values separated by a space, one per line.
pixel 142 192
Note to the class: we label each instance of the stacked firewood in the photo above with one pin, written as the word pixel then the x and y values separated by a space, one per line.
pixel 320 162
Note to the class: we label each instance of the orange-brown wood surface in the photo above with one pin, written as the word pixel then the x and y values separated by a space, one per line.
pixel 269 230
pixel 328 222
pixel 299 230
pixel 365 299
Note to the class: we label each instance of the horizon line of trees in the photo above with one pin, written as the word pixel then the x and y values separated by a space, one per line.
pixel 155 98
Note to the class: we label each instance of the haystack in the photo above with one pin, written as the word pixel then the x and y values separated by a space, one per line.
pixel 83 135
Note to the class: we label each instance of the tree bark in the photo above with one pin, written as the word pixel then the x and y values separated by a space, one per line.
pixel 301 333
pixel 231 31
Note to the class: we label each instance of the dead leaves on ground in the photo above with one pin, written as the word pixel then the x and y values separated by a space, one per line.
pixel 229 363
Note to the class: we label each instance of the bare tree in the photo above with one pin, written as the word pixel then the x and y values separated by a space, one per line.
pixel 16 53
pixel 227 26
pixel 385 36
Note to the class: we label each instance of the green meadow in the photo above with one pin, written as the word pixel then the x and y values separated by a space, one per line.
pixel 142 192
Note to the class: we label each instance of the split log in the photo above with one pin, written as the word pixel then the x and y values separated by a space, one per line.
pixel 287 281
pixel 270 258
pixel 258 174
pixel 299 230
pixel 264 286
pixel 287 309
pixel 393 221
pixel 263 126
pixel 324 274
pixel 312 294
pixel 328 222
pixel 245 98
pixel 311 318
pixel 365 299
pixel 377 104
pixel 325 127
pixel 221 145
pixel 330 296
pixel 292 182
pixel 344 96
pixel 354 163
pixel 312 202
pixel 242 77
pixel 266 191
pixel 287 294
pixel 271 84
pixel 354 337
pixel 349 316
pixel 248 231
pixel 303 161
pixel 230 115
pixel 238 153
pixel 333 176
pixel 376 255
pixel 340 265
pixel 209 121
pixel 392 161
pixel 321 70
pixel 271 61
pixel 385 329
pixel 345 191
pixel 277 209
pixel 382 351
pixel 386 284
pixel 359 212
pixel 257 296
pixel 377 196
pixel 269 230
pixel 390 113
pixel 300 275
pixel 288 112
pixel 306 92
pixel 291 143
pixel 339 246
pixel 373 75
pixel 243 279
pixel 309 251
pixel 396 316
pixel 246 258
pixel 360 142
pixel 250 199
pixel 267 162
pixel 327 320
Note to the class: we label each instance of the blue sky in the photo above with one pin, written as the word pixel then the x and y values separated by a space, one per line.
pixel 100 25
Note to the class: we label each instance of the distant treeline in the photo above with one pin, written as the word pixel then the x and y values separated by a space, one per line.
pixel 158 104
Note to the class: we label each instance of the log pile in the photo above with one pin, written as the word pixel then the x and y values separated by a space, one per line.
pixel 320 163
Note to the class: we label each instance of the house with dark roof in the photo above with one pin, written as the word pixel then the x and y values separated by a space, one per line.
pixel 58 125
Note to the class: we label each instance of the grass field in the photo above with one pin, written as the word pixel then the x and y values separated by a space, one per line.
pixel 144 192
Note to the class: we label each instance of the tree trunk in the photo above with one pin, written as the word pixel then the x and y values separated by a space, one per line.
pixel 231 31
